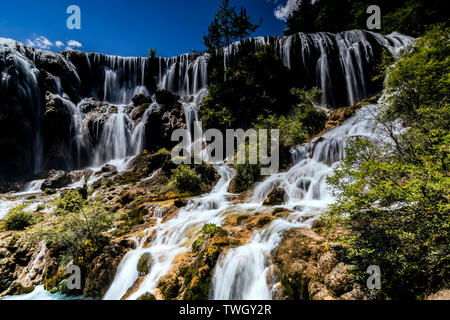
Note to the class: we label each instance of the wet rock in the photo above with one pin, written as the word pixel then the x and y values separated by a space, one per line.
pixel 275 197
pixel 166 99
pixel 159 128
pixel 146 163
pixel 102 270
pixel 6 187
pixel 147 296
pixel 56 179
pixel 18 289
pixel 144 264
pixel 141 99
pixel 139 111
pixel 109 169
pixel 179 203
pixel 264 221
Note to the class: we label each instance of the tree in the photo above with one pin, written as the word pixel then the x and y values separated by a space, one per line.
pixel 393 196
pixel 405 16
pixel 228 26
pixel 152 53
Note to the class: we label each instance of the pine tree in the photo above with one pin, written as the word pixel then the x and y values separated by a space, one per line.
pixel 228 26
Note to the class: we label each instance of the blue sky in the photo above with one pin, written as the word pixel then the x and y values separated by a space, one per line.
pixel 127 27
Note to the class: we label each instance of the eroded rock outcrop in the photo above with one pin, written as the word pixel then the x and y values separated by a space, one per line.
pixel 310 268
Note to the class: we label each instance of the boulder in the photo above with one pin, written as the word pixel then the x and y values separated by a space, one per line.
pixel 147 296
pixel 310 269
pixel 102 270
pixel 275 197
pixel 166 99
pixel 340 280
pixel 144 264
pixel 56 179
pixel 141 99
pixel 108 169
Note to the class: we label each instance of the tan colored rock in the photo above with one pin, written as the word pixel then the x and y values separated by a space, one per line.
pixel 340 279
pixel 440 295
pixel 358 293
pixel 318 291
pixel 327 262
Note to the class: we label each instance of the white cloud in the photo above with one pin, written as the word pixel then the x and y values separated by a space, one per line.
pixel 283 12
pixel 41 42
pixel 71 44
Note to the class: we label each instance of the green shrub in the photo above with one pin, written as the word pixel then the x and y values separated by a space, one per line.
pixel 186 179
pixel 80 233
pixel 256 84
pixel 71 201
pixel 18 219
pixel 394 197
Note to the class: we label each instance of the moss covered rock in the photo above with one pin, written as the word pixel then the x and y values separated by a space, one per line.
pixel 144 264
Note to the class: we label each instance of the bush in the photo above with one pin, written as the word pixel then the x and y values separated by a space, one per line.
pixel 17 219
pixel 80 233
pixel 256 84
pixel 71 201
pixel 186 179
pixel 246 176
pixel 395 195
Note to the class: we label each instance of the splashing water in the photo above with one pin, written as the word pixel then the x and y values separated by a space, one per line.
pixel 242 273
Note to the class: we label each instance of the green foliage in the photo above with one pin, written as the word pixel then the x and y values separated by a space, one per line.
pixel 186 179
pixel 209 229
pixel 405 16
pixel 422 75
pixel 198 243
pixel 246 176
pixel 79 232
pixel 303 121
pixel 72 201
pixel 387 60
pixel 395 196
pixel 18 219
pixel 257 84
pixel 228 26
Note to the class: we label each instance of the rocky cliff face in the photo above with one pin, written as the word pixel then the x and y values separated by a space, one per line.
pixel 58 110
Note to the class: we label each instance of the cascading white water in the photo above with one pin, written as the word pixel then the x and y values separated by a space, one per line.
pixel 242 273
pixel 16 57
pixel 185 75
pixel 172 239
pixel 123 77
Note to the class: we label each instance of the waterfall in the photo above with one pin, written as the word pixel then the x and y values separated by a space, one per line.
pixel 355 50
pixel 172 238
pixel 341 65
pixel 185 75
pixel 121 77
pixel 20 76
pixel 242 272
pixel 331 62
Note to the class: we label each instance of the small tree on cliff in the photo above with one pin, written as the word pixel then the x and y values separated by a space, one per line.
pixel 228 26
